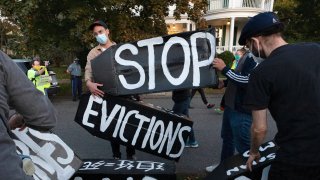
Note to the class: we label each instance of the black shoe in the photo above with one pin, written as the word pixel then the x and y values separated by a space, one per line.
pixel 133 158
pixel 74 99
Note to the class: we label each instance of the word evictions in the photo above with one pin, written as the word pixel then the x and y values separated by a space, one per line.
pixel 49 164
pixel 167 134
pixel 246 154
pixel 150 43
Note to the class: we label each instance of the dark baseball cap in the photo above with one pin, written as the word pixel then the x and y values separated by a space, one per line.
pixel 98 23
pixel 260 24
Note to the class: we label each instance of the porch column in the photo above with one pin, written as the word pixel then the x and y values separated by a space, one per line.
pixel 188 26
pixel 262 5
pixel 231 34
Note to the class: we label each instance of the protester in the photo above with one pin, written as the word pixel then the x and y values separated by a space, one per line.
pixel 101 33
pixel 74 70
pixel 287 83
pixel 239 53
pixel 203 97
pixel 235 131
pixel 20 94
pixel 181 99
pixel 35 72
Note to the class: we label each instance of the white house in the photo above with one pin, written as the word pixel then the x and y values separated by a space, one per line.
pixel 226 16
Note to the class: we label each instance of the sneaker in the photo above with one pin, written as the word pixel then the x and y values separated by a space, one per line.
pixel 192 144
pixel 218 110
pixel 209 169
pixel 209 106
pixel 27 165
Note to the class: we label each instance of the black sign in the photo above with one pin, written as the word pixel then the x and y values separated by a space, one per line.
pixel 53 159
pixel 235 166
pixel 179 61
pixel 146 127
pixel 125 169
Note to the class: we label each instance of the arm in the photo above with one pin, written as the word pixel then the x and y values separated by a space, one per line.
pixel 69 69
pixel 92 86
pixel 37 110
pixel 240 79
pixel 258 132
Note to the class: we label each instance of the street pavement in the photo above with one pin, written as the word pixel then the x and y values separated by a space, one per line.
pixel 207 125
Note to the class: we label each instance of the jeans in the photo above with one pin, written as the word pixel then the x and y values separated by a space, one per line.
pixel 182 107
pixel 235 132
pixel 76 83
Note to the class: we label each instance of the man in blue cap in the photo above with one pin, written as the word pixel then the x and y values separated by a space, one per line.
pixel 289 75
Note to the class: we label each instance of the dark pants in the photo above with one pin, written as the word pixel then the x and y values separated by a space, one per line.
pixel 76 83
pixel 203 96
pixel 285 171
pixel 117 153
pixel 182 107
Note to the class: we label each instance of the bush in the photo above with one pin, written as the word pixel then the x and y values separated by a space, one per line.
pixel 227 57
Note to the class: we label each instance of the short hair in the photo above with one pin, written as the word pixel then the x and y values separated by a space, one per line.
pixel 242 50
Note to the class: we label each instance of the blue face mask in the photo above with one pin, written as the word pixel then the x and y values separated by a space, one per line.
pixel 102 39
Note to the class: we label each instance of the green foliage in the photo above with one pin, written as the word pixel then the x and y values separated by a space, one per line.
pixel 227 57
pixel 301 19
pixel 58 30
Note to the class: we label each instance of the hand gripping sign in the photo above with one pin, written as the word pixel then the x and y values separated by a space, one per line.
pixel 235 166
pixel 53 158
pixel 179 61
pixel 148 128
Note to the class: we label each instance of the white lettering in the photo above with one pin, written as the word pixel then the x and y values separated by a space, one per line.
pixel 146 137
pixel 150 44
pixel 124 123
pixel 124 62
pixel 184 128
pixel 186 66
pixel 89 111
pixel 116 129
pixel 171 138
pixel 105 119
pixel 195 57
pixel 160 124
pixel 142 120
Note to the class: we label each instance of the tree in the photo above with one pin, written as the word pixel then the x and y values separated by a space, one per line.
pixel 301 19
pixel 58 28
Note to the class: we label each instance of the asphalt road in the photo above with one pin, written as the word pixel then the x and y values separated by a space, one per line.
pixel 207 125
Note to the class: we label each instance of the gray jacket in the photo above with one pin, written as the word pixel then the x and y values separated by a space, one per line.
pixel 18 92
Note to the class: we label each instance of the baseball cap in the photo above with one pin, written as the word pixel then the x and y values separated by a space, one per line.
pixel 260 24
pixel 98 23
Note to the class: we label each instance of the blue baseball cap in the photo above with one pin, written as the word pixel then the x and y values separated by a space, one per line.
pixel 260 25
pixel 98 23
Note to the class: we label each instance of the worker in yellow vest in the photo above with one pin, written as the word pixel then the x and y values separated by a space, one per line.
pixel 39 75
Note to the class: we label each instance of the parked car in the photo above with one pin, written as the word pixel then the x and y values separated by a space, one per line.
pixel 25 65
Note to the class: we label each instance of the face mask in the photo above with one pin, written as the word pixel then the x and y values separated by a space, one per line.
pixel 102 39
pixel 237 57
pixel 256 54
pixel 37 67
